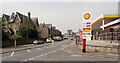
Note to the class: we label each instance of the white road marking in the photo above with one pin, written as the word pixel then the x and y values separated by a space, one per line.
pixel 53 51
pixel 29 59
pixel 50 52
pixel 59 49
pixel 37 56
pixel 12 53
pixel 9 56
pixel 45 53
pixel 28 50
pixel 77 55
pixel 38 48
pixel 42 55
pixel 46 47
pixel 63 45
pixel 25 60
pixel 80 55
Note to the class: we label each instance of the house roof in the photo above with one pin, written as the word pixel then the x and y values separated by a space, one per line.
pixel 7 17
pixel 35 20
pixel 48 25
pixel 21 16
pixel 12 17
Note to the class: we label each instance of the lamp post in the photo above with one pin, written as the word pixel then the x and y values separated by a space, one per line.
pixel 15 42
pixel 51 32
pixel 14 37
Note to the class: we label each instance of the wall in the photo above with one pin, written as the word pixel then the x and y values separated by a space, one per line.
pixel 44 31
pixel 7 43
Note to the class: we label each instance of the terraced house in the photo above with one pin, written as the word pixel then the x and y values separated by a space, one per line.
pixel 47 31
pixel 12 23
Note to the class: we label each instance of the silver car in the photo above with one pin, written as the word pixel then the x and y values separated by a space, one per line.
pixel 49 40
pixel 38 42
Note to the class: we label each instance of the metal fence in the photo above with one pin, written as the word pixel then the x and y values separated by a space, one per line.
pixel 107 36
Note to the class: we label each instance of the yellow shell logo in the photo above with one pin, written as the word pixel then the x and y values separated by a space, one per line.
pixel 87 16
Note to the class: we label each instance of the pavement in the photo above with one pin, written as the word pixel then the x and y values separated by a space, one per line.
pixel 105 43
pixel 77 50
pixel 65 50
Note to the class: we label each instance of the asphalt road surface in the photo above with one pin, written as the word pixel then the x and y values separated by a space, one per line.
pixel 52 52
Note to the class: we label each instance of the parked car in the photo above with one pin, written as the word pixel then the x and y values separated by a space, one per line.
pixel 62 38
pixel 54 37
pixel 71 38
pixel 49 40
pixel 38 42
pixel 65 37
pixel 58 38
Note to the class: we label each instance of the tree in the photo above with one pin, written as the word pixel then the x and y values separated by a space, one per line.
pixel 26 30
pixel 31 32
pixel 5 36
pixel 22 31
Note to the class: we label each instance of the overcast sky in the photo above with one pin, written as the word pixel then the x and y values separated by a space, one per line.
pixel 64 15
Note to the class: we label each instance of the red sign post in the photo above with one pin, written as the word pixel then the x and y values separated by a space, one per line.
pixel 84 45
pixel 86 30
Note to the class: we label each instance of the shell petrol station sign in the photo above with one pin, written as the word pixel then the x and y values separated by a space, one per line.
pixel 87 25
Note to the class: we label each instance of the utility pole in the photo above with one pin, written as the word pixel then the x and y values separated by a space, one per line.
pixel 27 32
pixel 14 36
pixel 51 32
pixel 28 20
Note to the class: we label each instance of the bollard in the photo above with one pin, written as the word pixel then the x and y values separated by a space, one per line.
pixel 84 45
pixel 53 42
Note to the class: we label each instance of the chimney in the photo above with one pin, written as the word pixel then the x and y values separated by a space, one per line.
pixel 29 15
pixel 43 23
pixel 12 15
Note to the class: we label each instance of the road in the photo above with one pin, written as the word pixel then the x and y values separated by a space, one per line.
pixel 52 52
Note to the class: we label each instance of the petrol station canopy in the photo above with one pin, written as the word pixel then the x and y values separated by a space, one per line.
pixel 97 23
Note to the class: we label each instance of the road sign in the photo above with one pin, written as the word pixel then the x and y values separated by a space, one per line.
pixel 14 36
pixel 86 34
pixel 86 30
pixel 88 22
pixel 87 25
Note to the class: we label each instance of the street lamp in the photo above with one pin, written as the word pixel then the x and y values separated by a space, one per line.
pixel 51 31
pixel 14 37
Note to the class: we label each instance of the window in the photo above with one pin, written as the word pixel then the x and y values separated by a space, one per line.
pixel 10 25
pixel 17 24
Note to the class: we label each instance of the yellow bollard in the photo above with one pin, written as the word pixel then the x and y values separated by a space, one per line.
pixel 52 41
